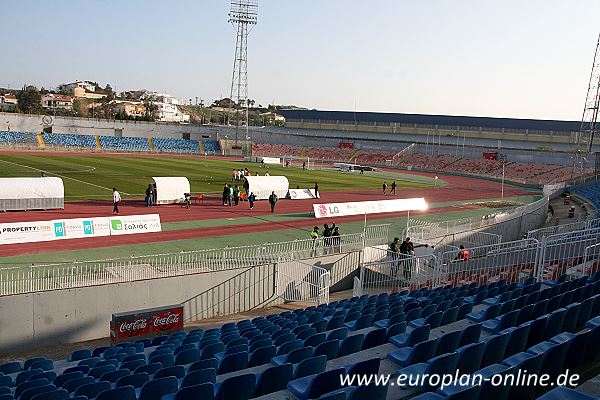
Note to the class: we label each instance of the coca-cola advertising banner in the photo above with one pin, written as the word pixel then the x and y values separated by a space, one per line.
pixel 146 323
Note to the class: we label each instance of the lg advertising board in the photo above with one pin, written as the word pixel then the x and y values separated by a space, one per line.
pixel 368 207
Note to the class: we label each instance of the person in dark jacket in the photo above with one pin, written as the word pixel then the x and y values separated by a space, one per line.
pixel 251 200
pixel 316 190
pixel 272 201
pixel 327 231
pixel 336 240
pixel 236 195
pixel 225 194
pixel 149 199
pixel 395 253
pixel 154 194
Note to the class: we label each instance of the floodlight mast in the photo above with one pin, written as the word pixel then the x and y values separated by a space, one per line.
pixel 243 15
pixel 589 120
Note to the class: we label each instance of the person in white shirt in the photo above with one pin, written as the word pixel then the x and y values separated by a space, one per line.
pixel 116 201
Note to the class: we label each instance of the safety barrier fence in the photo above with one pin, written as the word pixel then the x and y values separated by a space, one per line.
pixel 509 225
pixel 34 278
pixel 563 228
pixel 575 253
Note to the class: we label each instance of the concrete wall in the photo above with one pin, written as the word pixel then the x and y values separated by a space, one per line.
pixel 73 315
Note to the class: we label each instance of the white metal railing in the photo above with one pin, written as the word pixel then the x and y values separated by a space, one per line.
pixel 297 281
pixel 508 224
pixel 508 260
pixel 394 273
pixel 563 228
pixel 21 279
pixel 566 252
pixel 590 263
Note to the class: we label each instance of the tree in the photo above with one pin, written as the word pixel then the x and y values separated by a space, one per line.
pixel 80 106
pixel 110 93
pixel 29 99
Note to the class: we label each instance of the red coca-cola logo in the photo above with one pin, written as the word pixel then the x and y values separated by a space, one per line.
pixel 322 210
pixel 167 320
pixel 133 328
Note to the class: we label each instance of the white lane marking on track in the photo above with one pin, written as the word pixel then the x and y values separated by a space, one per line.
pixel 62 176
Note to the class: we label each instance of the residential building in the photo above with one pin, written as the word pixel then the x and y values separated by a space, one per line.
pixel 166 108
pixel 52 101
pixel 8 102
pixel 131 108
pixel 69 87
pixel 272 117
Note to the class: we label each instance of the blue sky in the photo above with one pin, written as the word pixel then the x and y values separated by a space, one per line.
pixel 528 58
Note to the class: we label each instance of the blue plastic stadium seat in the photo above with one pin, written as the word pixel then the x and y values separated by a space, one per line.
pixel 121 393
pixel 444 364
pixel 411 338
pixel 156 388
pixel 563 393
pixel 176 371
pixel 484 314
pixel 203 364
pixel 421 352
pixel 234 362
pixel 501 322
pixel 310 366
pixel 93 389
pixel 495 348
pixel 207 375
pixel 448 342
pixel 73 384
pixel 34 391
pixel 240 387
pixel 59 394
pixel 204 391
pixel 313 386
pixel 114 376
pixel 61 379
pixel 11 367
pixel 273 379
pixel 375 337
pixel 137 380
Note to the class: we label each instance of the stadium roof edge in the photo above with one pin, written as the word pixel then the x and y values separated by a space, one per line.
pixel 429 119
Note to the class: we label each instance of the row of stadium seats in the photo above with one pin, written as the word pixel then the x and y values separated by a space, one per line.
pixel 69 140
pixel 109 143
pixel 540 330
pixel 589 191
pixel 175 145
pixel 12 138
pixel 125 143
pixel 524 172
pixel 211 146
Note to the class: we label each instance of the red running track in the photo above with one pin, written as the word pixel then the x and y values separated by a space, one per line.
pixel 457 189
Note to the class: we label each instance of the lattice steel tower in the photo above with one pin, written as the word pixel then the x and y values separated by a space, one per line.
pixel 243 15
pixel 587 131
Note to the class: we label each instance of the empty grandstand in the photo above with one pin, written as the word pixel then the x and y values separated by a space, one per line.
pixel 135 144
pixel 69 140
pixel 174 145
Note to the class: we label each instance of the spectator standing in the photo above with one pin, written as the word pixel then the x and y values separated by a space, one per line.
pixel 236 195
pixel 314 235
pixel 394 188
pixel 225 194
pixel 336 240
pixel 327 238
pixel 149 200
pixel 395 250
pixel 234 175
pixel 463 254
pixel 407 249
pixel 267 173
pixel 154 194
pixel 230 196
pixel 251 200
pixel 384 188
pixel 116 201
pixel 272 201
pixel 316 190
pixel 304 166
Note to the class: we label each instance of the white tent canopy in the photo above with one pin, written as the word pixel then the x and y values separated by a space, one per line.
pixel 171 189
pixel 262 186
pixel 31 193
